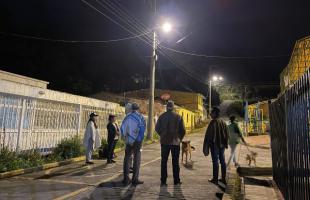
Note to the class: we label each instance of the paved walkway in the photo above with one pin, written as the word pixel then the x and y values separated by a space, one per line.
pixel 257 187
pixel 102 181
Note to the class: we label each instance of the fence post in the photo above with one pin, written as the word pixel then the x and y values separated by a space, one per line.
pixel 20 124
pixel 79 119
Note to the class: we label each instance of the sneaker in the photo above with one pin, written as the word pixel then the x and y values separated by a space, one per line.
pixel 89 163
pixel 113 161
pixel 137 182
pixel 223 181
pixel 214 181
pixel 163 184
pixel 178 183
pixel 126 182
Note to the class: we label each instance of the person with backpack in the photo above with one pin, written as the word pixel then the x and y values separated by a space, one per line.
pixel 132 131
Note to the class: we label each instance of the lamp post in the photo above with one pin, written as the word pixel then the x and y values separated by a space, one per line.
pixel 166 27
pixel 214 79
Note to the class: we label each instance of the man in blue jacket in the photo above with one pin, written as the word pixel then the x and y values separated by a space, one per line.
pixel 132 130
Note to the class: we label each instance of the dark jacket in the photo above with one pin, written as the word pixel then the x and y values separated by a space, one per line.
pixel 170 127
pixel 112 131
pixel 217 133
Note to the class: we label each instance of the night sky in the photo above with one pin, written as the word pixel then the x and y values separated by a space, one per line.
pixel 226 28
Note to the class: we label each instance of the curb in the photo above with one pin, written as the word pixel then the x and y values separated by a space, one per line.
pixel 258 146
pixel 40 168
pixel 234 188
pixel 55 164
pixel 254 171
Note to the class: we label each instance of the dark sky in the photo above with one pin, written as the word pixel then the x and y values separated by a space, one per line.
pixel 237 28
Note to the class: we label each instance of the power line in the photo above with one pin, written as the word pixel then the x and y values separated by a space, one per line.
pixel 221 57
pixel 70 41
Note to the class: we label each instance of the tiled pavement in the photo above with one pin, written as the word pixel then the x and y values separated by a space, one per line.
pixel 102 181
pixel 258 187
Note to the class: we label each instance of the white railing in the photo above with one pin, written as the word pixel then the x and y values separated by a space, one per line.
pixel 36 123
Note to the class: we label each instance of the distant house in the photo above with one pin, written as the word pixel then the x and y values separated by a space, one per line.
pixel 189 100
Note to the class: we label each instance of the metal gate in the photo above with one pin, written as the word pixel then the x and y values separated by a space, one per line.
pixel 30 123
pixel 290 140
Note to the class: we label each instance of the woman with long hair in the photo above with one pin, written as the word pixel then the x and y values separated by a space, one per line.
pixel 91 137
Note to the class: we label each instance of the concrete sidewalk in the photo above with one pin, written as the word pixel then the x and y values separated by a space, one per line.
pixel 102 181
pixel 254 186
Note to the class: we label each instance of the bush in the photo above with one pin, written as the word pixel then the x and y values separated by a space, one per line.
pixel 69 148
pixel 155 136
pixel 103 149
pixel 120 144
pixel 10 160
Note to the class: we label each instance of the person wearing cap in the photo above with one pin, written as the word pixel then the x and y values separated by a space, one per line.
pixel 132 131
pixel 235 135
pixel 113 135
pixel 170 127
pixel 92 139
pixel 216 139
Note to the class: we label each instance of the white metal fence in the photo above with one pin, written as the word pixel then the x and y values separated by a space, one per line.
pixel 33 123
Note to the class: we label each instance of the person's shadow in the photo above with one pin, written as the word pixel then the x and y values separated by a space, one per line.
pixel 177 193
pixel 163 193
pixel 113 190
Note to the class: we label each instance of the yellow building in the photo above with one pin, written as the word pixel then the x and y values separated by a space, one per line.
pixel 258 118
pixel 298 64
pixel 189 100
pixel 188 118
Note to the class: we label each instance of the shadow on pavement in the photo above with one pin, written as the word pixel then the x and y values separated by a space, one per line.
pixel 177 193
pixel 189 165
pixel 113 190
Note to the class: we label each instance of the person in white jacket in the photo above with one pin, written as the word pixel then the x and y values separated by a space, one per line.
pixel 92 139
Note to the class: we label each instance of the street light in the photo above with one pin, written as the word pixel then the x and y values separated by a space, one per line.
pixel 166 27
pixel 214 79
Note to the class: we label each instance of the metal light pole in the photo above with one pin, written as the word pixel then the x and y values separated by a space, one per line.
pixel 210 88
pixel 152 90
pixel 215 79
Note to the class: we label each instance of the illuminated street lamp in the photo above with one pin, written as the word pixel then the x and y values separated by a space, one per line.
pixel 214 79
pixel 166 27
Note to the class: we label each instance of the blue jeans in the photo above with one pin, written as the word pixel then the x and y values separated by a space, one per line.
pixel 218 154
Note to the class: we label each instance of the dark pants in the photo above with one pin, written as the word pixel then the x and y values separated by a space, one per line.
pixel 135 151
pixel 218 154
pixel 175 152
pixel 111 147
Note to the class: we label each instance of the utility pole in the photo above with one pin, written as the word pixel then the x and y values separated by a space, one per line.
pixel 210 88
pixel 152 84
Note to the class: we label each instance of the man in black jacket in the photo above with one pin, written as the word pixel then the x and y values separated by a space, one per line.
pixel 216 139
pixel 170 127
